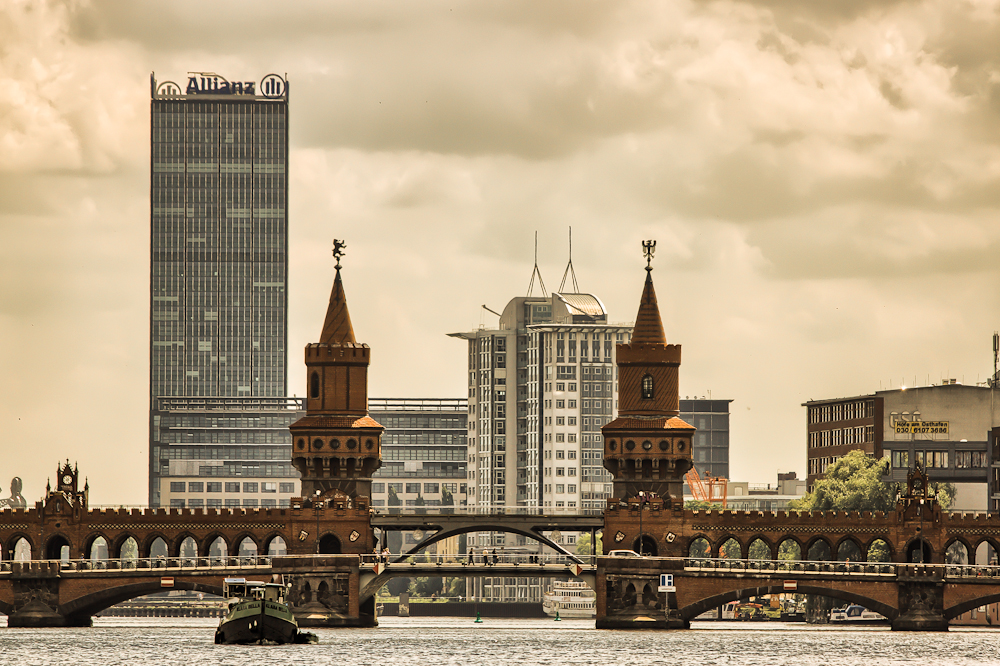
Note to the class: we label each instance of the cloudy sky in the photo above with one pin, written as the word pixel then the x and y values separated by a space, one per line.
pixel 822 178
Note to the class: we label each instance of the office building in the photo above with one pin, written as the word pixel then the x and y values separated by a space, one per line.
pixel 218 286
pixel 710 449
pixel 949 429
pixel 424 463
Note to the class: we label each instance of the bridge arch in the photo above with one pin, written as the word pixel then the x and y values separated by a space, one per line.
pixel 122 549
pixel 149 547
pixel 760 548
pixel 244 545
pixel 92 546
pixel 217 542
pixel 699 546
pixel 819 549
pixel 848 548
pixel 329 544
pixel 790 548
pixel 917 549
pixel 695 609
pixel 10 548
pixel 89 605
pixel 729 546
pixel 645 544
pixel 957 551
pixel 952 612
pixel 275 544
pixel 183 544
pixel 487 526
pixel 55 545
pixel 983 553
pixel 879 547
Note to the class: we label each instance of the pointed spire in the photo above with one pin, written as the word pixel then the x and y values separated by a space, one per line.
pixel 648 325
pixel 337 327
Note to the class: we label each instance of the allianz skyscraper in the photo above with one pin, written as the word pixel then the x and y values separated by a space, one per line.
pixel 219 409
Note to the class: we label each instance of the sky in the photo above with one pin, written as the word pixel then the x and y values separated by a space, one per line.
pixel 822 180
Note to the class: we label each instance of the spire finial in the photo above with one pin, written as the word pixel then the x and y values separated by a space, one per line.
pixel 648 248
pixel 338 251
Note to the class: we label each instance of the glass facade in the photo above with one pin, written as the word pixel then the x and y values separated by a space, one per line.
pixel 710 449
pixel 218 273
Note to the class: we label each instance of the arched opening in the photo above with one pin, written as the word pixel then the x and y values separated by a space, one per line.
pixel 22 550
pixel 731 549
pixel 956 553
pixel 277 546
pixel 58 548
pixel 759 550
pixel 158 548
pixel 247 548
pixel 314 385
pixel 820 551
pixel 647 387
pixel 307 594
pixel 986 554
pixel 645 545
pixel 188 548
pixel 629 597
pixel 849 551
pixel 700 547
pixel 918 551
pixel 789 549
pixel 98 549
pixel 879 551
pixel 218 549
pixel 129 550
pixel 323 592
pixel 648 596
pixel 329 545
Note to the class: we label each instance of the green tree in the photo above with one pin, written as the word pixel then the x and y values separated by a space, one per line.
pixel 852 483
pixel 394 500
pixel 447 501
pixel 699 505
pixel 428 586
pixel 583 545
pixel 398 585
pixel 455 587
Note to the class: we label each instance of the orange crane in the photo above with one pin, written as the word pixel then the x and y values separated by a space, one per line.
pixel 711 489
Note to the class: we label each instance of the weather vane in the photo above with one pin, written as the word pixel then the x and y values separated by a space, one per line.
pixel 648 248
pixel 338 251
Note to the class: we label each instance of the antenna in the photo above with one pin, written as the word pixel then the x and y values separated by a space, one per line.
pixel 569 267
pixel 996 355
pixel 541 282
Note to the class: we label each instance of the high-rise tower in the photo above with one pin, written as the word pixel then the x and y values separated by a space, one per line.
pixel 337 445
pixel 648 447
pixel 218 293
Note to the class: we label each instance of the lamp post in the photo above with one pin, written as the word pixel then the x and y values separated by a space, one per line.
pixel 317 507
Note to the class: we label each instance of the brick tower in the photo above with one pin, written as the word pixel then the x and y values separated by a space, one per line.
pixel 337 445
pixel 648 447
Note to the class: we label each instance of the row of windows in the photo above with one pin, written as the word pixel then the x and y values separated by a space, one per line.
pixel 421 422
pixel 842 411
pixel 231 487
pixel 427 488
pixel 939 459
pixel 225 452
pixel 282 419
pixel 842 436
pixel 454 453
pixel 238 469
pixel 197 503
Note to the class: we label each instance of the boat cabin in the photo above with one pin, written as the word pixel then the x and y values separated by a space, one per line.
pixel 253 589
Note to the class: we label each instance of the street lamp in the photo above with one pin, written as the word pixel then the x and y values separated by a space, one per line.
pixel 316 508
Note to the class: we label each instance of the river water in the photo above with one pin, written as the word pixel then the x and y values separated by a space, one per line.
pixel 497 642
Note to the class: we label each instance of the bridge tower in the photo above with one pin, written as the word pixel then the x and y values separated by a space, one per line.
pixel 336 446
pixel 648 447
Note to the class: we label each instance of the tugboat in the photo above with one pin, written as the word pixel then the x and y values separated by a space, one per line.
pixel 258 614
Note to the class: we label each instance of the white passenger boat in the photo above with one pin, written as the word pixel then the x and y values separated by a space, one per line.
pixel 855 614
pixel 570 599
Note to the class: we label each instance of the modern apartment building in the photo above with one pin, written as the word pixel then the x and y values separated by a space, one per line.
pixel 710 448
pixel 218 288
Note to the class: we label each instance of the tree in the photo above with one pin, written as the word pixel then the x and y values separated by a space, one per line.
pixel 455 587
pixel 447 500
pixel 394 499
pixel 428 586
pixel 398 585
pixel 583 545
pixel 852 483
pixel 700 505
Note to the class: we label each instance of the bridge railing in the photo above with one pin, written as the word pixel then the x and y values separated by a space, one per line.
pixel 790 566
pixel 498 558
pixel 153 563
pixel 486 510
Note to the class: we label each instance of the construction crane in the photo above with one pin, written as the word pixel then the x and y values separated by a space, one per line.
pixel 711 489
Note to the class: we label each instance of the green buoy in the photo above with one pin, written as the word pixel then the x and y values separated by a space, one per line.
pixel 478 620
pixel 558 619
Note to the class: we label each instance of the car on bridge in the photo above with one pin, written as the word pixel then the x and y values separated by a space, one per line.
pixel 623 553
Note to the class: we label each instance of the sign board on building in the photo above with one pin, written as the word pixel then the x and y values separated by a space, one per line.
pixel 666 583
pixel 167 582
pixel 921 427
pixel 791 585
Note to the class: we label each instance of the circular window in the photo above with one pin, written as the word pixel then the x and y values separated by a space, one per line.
pixel 630 445
pixel 334 443
pixel 612 445
pixel 301 444
pixel 647 445
pixel 317 443
pixel 664 445
pixel 680 445
pixel 351 444
pixel 369 445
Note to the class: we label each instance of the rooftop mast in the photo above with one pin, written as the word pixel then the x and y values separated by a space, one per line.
pixel 537 272
pixel 569 267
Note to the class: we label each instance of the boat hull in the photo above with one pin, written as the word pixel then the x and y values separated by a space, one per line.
pixel 257 621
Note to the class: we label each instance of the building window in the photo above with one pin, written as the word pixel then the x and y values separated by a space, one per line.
pixel 232 487
pixel 196 487
pixel 231 503
pixel 250 503
pixel 196 503
pixel 286 487
pixel 177 487
pixel 413 488
pixel 314 385
pixel 431 488
pixel 560 454
pixel 560 471
pixel 268 503
pixel 560 488
pixel 572 487
pixel 177 503
pixel 250 487
pixel 214 487
pixel 213 503
pixel 378 488
pixel 269 487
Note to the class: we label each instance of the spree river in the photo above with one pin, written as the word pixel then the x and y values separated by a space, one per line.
pixel 496 642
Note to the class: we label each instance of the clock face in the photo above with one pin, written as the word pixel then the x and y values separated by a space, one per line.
pixel 67 479
pixel 918 483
